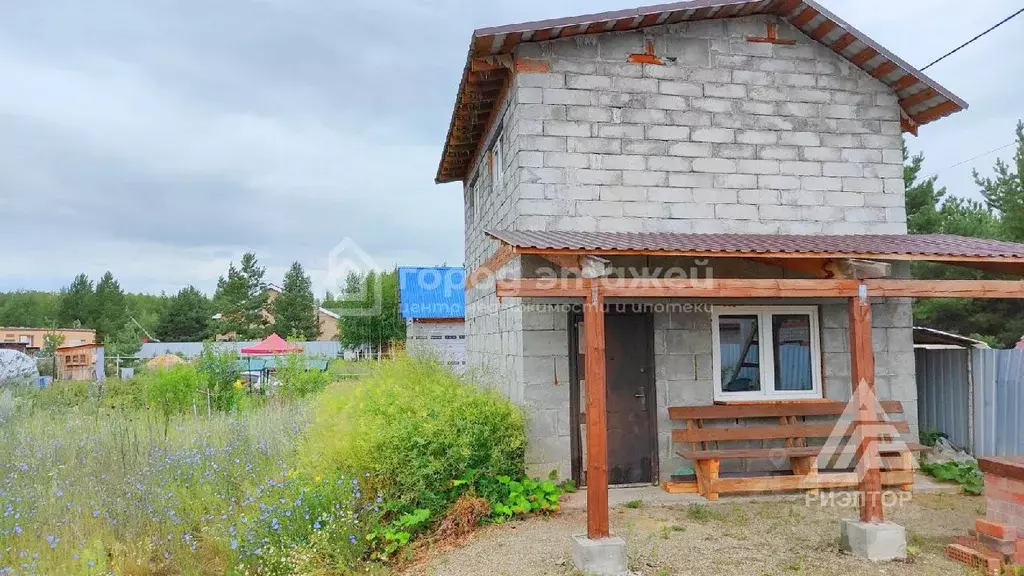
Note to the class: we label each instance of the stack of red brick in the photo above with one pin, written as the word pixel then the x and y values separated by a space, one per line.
pixel 998 539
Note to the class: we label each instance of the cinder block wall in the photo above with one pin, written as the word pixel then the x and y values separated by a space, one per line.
pixel 728 136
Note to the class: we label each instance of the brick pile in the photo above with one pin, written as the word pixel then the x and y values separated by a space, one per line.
pixel 997 540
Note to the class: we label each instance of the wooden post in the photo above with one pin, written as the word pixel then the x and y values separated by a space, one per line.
pixel 597 418
pixel 862 365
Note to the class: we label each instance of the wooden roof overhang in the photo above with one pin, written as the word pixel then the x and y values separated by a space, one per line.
pixel 569 249
pixel 490 64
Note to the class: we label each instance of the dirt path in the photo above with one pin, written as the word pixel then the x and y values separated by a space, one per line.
pixel 750 538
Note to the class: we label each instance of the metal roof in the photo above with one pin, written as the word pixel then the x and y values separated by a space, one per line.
pixel 483 84
pixel 432 292
pixel 893 246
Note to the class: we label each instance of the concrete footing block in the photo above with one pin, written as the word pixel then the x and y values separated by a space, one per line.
pixel 876 542
pixel 604 557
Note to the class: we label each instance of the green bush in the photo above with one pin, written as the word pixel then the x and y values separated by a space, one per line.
pixel 297 380
pixel 218 371
pixel 415 428
pixel 174 390
pixel 967 474
pixel 59 395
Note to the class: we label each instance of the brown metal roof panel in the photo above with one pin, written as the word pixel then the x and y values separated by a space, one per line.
pixel 879 245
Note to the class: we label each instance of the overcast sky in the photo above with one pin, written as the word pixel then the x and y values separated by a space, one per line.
pixel 160 139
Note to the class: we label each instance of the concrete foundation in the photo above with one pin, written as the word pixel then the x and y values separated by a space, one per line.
pixel 604 557
pixel 876 542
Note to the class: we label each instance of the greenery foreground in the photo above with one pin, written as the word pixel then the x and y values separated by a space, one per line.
pixel 347 479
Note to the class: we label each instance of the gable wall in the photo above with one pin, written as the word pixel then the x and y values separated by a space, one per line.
pixel 728 136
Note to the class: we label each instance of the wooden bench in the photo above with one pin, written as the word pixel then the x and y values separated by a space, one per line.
pixel 793 432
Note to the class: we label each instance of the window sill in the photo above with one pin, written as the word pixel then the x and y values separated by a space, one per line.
pixel 774 401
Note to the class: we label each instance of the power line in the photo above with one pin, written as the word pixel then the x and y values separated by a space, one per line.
pixel 962 162
pixel 972 40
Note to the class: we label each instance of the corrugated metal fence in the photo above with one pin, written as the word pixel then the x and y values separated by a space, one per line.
pixel 943 393
pixel 975 397
pixel 999 402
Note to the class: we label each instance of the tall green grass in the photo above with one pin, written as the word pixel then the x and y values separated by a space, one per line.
pixel 415 427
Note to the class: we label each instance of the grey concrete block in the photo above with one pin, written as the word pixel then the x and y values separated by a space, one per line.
pixel 604 557
pixel 881 542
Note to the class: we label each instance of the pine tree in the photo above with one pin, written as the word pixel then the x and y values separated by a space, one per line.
pixel 241 299
pixel 111 311
pixel 922 199
pixel 1005 192
pixel 187 317
pixel 76 303
pixel 294 310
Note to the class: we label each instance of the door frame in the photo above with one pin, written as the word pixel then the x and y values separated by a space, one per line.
pixel 575 443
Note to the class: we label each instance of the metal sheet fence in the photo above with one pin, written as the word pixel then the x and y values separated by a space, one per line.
pixel 975 397
pixel 193 349
pixel 944 393
pixel 998 402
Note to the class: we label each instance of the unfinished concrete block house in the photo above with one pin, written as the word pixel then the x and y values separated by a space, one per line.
pixel 755 141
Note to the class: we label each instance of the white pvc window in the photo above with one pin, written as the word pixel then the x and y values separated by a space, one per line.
pixel 497 166
pixel 766 353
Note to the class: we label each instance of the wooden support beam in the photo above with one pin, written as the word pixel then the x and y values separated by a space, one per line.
pixel 858 269
pixel 884 69
pixel 597 417
pixel 759 288
pixel 502 256
pixel 862 367
pixel 823 29
pixel 810 266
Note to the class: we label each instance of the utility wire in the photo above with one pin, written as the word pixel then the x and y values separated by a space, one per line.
pixel 962 162
pixel 972 40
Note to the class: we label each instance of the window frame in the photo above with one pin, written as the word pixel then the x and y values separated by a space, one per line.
pixel 766 353
pixel 497 162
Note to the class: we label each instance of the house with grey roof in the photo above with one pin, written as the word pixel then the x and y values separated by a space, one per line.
pixel 738 163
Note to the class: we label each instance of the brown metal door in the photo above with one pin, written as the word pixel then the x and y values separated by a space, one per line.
pixel 632 448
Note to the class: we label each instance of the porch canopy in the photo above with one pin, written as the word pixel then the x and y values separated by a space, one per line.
pixel 273 344
pixel 854 267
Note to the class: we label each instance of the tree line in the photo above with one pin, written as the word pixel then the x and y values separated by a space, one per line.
pixel 999 215
pixel 241 308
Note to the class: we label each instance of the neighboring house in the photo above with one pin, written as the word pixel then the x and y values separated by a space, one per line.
pixel 35 338
pixel 328 320
pixel 80 362
pixel 760 140
pixel 433 305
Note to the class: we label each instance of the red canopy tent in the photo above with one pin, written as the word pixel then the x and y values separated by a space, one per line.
pixel 274 344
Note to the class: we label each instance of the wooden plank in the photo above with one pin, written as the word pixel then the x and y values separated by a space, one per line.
pixel 861 58
pixel 726 288
pixel 937 111
pixel 843 42
pixel 823 29
pixel 769 410
pixel 918 98
pixel 905 82
pixel 946 288
pixel 742 453
pixel 804 17
pixel 862 368
pixel 766 432
pixel 680 487
pixel 543 288
pixel 503 255
pixel 760 288
pixel 884 69
pixel 826 480
pixel 809 266
pixel 597 418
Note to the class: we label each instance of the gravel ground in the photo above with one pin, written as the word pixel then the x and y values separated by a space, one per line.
pixel 724 538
